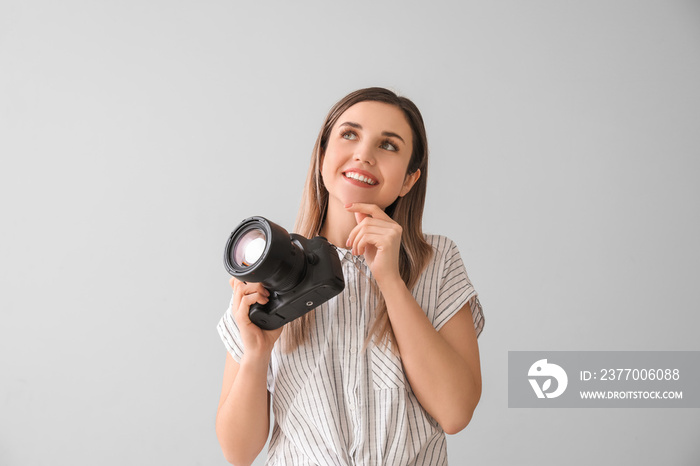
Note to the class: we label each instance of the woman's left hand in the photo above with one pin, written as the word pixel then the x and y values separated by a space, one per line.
pixel 378 238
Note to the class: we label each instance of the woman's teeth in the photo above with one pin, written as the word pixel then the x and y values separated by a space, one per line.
pixel 358 177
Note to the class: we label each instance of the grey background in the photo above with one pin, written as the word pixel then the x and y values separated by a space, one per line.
pixel 135 135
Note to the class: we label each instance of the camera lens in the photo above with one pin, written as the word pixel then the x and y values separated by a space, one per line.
pixel 250 247
pixel 261 251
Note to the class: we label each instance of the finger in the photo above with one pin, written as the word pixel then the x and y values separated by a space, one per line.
pixel 365 211
pixel 359 217
pixel 247 300
pixel 367 221
pixel 371 210
pixel 243 288
pixel 242 315
pixel 360 212
pixel 250 288
pixel 365 228
pixel 372 240
pixel 250 299
pixel 237 295
pixel 385 227
pixel 352 236
pixel 235 286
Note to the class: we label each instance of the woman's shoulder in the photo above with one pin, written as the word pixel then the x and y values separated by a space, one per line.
pixel 445 250
pixel 440 243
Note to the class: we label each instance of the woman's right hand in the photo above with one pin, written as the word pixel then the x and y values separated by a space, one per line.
pixel 256 341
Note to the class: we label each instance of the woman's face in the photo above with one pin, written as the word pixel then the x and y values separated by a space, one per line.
pixel 367 155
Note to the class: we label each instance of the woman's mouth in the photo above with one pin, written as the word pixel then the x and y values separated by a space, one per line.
pixel 354 176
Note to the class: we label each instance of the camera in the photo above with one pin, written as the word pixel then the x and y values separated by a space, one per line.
pixel 300 273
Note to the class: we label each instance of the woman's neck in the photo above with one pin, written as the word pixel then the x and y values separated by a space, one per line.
pixel 338 224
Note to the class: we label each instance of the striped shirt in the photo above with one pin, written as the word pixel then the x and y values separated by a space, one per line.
pixel 337 404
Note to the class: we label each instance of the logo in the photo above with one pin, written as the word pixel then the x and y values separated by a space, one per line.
pixel 546 371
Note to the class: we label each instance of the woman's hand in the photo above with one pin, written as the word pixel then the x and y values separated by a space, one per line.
pixel 378 238
pixel 256 341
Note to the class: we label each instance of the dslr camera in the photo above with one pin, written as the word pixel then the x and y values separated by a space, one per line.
pixel 300 273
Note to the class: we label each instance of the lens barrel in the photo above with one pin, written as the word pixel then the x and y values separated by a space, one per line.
pixel 262 251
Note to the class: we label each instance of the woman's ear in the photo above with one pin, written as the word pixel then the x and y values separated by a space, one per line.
pixel 408 183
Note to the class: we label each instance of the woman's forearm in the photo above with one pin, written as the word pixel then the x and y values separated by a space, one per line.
pixel 243 419
pixel 446 383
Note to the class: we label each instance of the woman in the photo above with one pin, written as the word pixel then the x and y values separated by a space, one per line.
pixel 378 374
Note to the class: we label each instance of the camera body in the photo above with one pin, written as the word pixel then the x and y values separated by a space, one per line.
pixel 322 281
pixel 300 273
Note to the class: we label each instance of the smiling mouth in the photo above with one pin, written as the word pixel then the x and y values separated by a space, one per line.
pixel 361 178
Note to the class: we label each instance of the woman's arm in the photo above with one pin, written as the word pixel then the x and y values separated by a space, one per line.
pixel 442 367
pixel 243 416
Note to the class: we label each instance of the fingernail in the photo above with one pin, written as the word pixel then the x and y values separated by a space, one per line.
pixel 348 205
pixel 347 243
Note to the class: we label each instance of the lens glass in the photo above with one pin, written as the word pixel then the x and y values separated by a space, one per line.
pixel 249 247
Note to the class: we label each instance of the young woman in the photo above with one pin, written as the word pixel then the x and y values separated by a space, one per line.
pixel 379 374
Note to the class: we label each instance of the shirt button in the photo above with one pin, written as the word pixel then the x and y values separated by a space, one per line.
pixel 353 350
pixel 352 299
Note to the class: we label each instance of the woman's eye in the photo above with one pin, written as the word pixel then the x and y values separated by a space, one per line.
pixel 386 145
pixel 349 135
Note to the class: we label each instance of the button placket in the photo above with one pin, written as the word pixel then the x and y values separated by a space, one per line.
pixel 354 276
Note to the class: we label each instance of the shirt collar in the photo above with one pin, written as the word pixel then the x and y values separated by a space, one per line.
pixel 346 254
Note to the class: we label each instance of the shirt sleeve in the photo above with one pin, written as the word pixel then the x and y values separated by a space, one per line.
pixel 230 335
pixel 455 289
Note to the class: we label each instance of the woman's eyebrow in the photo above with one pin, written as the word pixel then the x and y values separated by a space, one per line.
pixel 390 134
pixel 353 124
pixel 384 133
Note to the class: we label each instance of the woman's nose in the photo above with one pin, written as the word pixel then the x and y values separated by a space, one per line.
pixel 364 154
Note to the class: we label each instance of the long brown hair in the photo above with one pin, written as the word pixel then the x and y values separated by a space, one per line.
pixel 407 211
